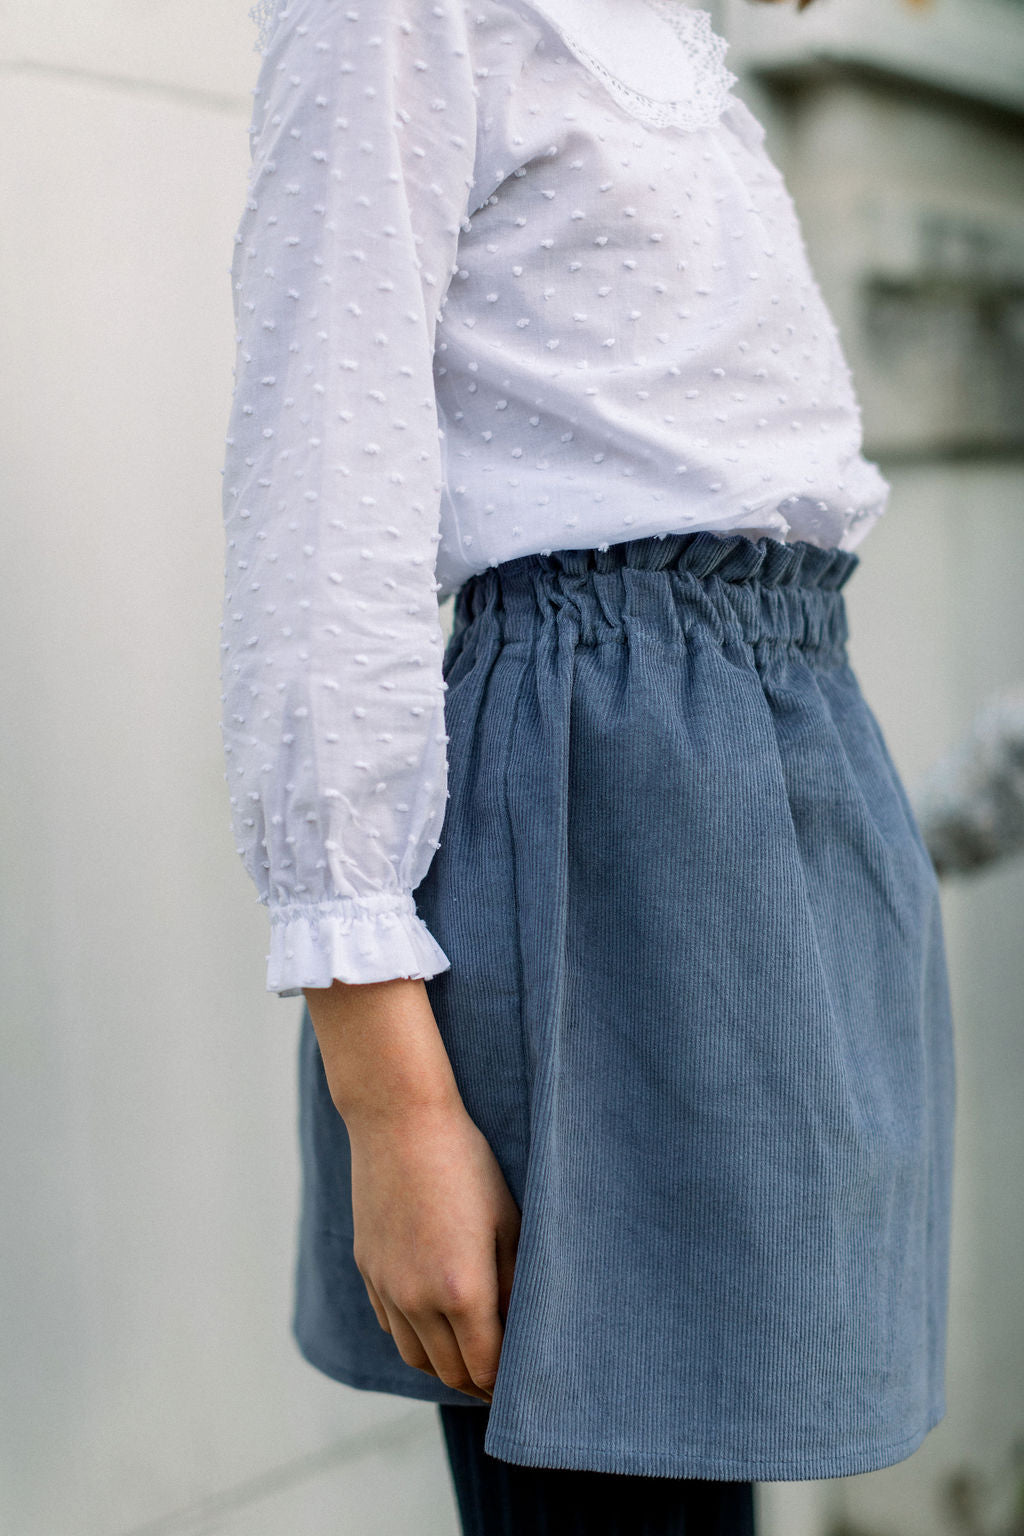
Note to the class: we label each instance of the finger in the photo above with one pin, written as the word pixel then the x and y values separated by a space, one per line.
pixel 439 1338
pixel 478 1334
pixel 410 1346
pixel 505 1257
pixel 377 1305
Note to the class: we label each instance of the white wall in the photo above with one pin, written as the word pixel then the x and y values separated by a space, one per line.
pixel 150 1168
pixel 150 1383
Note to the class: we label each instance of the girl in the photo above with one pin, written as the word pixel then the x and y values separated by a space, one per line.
pixel 626 1082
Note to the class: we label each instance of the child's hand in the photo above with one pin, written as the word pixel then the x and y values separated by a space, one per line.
pixel 436 1226
pixel 436 1230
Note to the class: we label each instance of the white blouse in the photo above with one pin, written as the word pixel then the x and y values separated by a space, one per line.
pixel 510 278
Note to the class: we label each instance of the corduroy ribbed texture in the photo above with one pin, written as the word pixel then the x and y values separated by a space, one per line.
pixel 698 1006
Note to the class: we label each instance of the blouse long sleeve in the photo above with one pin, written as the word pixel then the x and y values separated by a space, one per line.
pixel 362 141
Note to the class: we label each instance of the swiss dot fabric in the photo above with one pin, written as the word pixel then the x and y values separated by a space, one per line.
pixel 507 280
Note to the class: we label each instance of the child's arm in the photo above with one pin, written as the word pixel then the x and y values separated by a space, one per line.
pixel 363 149
pixel 436 1226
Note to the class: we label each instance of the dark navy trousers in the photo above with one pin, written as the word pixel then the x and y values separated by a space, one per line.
pixel 498 1498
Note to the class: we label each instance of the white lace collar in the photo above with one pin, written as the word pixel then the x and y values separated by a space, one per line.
pixel 660 59
pixel 264 14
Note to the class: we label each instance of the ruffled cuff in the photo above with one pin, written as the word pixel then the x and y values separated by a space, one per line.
pixel 376 938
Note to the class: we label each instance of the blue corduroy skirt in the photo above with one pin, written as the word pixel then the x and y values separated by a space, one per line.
pixel 698 1005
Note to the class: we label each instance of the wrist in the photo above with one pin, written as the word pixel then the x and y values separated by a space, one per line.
pixel 383 1056
pixel 405 1116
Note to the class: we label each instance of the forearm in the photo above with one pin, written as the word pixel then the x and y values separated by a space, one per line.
pixel 383 1054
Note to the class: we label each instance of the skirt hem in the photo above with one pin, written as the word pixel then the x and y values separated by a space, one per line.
pixel 430 1392
pixel 637 1463
pixel 714 1468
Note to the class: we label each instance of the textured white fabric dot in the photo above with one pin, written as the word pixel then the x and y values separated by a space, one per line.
pixel 456 258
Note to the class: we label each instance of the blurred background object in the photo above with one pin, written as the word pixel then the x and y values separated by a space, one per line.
pixel 149 1384
pixel 970 806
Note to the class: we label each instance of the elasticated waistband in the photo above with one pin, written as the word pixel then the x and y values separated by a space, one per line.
pixel 744 591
